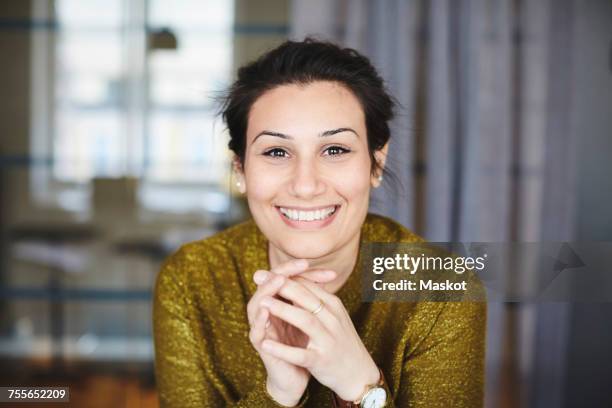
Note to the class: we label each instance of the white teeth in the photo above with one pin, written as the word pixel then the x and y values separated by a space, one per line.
pixel 307 215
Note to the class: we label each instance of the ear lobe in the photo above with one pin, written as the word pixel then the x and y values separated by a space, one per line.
pixel 376 180
pixel 381 155
pixel 381 158
pixel 240 182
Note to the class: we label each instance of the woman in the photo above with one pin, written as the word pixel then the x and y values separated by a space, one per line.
pixel 268 313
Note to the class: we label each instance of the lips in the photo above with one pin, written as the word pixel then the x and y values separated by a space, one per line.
pixel 308 218
pixel 307 215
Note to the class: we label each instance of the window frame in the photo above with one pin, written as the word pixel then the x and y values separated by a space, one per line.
pixel 51 192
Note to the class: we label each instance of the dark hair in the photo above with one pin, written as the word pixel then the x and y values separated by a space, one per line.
pixel 305 62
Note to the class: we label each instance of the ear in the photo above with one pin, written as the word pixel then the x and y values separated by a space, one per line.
pixel 381 158
pixel 240 182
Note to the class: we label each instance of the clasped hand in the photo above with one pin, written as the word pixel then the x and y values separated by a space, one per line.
pixel 294 343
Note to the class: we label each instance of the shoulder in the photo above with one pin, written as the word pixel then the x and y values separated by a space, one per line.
pixel 421 317
pixel 378 228
pixel 207 263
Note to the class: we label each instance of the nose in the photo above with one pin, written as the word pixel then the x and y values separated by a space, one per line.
pixel 306 182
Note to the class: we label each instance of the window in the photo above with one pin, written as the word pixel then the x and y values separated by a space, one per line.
pixel 126 90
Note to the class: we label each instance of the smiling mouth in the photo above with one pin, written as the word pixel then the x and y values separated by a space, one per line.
pixel 313 215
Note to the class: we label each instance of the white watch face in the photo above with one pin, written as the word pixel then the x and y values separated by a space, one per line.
pixel 375 398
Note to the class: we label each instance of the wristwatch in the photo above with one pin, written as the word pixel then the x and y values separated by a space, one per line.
pixel 375 396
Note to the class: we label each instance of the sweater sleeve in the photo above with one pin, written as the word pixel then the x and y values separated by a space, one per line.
pixel 183 369
pixel 446 368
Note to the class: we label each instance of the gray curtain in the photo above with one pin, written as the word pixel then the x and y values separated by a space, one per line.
pixel 483 145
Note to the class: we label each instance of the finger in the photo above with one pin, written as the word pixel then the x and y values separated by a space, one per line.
pixel 298 317
pixel 258 330
pixel 319 275
pixel 291 268
pixel 261 276
pixel 303 297
pixel 314 275
pixel 270 288
pixel 317 290
pixel 330 300
pixel 294 355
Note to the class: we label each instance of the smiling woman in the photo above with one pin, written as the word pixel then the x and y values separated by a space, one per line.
pixel 303 157
pixel 268 313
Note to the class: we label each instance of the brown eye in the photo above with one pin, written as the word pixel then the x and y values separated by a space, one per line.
pixel 276 152
pixel 336 151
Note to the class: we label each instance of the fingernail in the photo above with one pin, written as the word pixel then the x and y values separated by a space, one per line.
pixel 267 324
pixel 260 277
pixel 301 263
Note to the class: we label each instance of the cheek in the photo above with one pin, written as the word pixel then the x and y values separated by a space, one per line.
pixel 354 183
pixel 261 183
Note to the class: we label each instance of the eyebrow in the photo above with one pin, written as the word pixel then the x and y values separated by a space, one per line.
pixel 322 134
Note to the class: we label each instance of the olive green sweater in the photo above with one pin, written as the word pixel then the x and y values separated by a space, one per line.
pixel 431 353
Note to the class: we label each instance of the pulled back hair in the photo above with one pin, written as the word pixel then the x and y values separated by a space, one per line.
pixel 302 63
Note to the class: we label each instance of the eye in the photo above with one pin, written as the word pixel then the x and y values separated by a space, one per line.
pixel 336 151
pixel 276 152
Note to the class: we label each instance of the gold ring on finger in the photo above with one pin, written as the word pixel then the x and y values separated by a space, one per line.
pixel 319 308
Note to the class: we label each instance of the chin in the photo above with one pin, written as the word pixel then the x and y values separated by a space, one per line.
pixel 306 248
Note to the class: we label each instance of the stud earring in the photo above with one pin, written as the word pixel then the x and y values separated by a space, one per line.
pixel 380 178
pixel 237 184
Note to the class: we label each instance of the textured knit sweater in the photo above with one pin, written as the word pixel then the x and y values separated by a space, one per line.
pixel 431 353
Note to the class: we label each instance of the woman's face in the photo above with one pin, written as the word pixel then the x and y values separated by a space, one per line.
pixel 307 170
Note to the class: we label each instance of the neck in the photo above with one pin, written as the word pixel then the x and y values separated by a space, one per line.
pixel 341 261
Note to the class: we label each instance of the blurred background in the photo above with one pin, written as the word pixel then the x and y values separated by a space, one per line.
pixel 111 157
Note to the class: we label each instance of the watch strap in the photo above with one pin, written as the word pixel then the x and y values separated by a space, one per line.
pixel 338 402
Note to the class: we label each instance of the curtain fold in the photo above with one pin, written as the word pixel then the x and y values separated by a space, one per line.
pixel 485 129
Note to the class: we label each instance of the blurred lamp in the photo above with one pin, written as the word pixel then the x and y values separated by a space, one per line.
pixel 162 39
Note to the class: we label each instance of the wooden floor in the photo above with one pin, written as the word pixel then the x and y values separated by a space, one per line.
pixel 90 387
pixel 103 391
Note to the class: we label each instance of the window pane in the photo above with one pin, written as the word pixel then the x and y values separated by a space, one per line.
pixel 208 15
pixel 88 144
pixel 89 14
pixel 184 147
pixel 191 74
pixel 89 86
pixel 183 143
pixel 121 109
